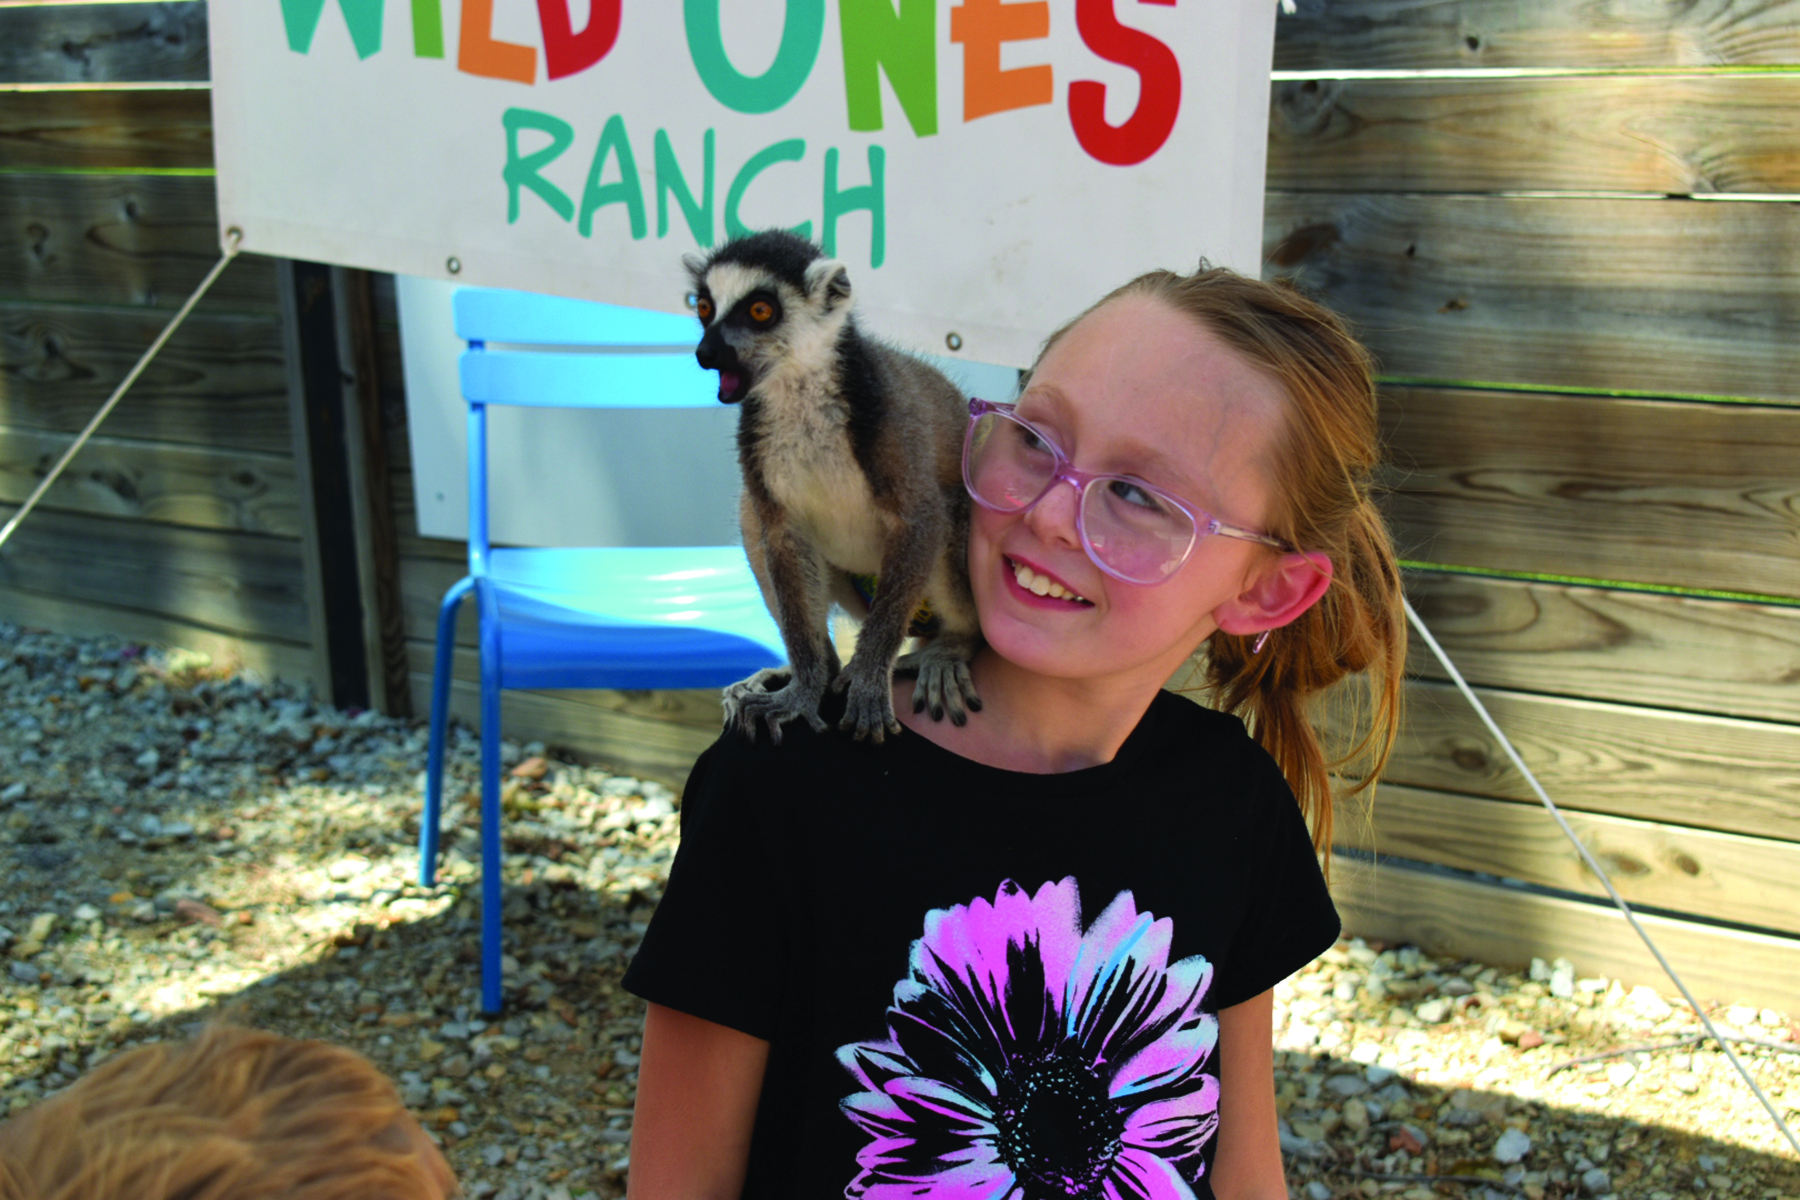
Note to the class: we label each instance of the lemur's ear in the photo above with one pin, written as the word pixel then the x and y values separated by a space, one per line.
pixel 696 267
pixel 828 282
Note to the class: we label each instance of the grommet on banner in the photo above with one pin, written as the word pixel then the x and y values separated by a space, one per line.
pixel 954 341
pixel 453 265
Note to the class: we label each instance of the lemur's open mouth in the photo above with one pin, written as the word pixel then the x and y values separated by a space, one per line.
pixel 733 386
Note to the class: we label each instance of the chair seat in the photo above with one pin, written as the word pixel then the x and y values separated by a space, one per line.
pixel 630 617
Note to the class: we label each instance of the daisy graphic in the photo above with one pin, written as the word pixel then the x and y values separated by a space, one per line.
pixel 1030 1059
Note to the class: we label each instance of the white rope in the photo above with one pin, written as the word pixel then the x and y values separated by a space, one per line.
pixel 1594 866
pixel 233 238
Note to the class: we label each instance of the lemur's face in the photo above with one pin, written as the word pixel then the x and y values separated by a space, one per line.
pixel 761 319
pixel 747 318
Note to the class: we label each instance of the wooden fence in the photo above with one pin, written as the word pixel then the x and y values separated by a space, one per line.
pixel 182 521
pixel 1580 279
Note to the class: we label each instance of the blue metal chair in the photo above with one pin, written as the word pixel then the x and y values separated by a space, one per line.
pixel 613 617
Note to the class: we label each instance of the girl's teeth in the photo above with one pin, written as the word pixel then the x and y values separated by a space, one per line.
pixel 1042 585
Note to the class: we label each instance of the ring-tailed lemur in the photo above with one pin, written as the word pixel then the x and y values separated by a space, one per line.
pixel 851 456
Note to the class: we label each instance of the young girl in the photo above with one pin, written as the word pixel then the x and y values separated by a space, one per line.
pixel 1031 957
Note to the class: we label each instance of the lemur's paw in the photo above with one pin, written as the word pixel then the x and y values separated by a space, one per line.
pixel 869 705
pixel 945 687
pixel 772 697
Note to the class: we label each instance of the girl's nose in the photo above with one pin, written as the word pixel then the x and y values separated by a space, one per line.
pixel 1053 517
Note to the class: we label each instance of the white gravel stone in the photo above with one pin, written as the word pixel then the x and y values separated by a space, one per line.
pixel 1646 1002
pixel 1512 1146
pixel 1433 1012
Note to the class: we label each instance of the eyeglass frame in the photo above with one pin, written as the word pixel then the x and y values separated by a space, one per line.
pixel 1067 472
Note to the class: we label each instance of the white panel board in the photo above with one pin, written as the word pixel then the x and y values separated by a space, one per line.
pixel 984 168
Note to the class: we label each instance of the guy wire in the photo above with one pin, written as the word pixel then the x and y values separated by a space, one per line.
pixel 233 238
pixel 1593 865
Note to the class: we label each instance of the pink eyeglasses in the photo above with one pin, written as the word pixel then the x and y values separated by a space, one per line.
pixel 1134 531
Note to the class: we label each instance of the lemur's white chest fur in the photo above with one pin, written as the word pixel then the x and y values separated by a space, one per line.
pixel 811 471
pixel 803 438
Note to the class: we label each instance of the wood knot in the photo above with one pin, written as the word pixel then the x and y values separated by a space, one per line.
pixel 1305 242
pixel 1624 864
pixel 38 237
pixel 1470 759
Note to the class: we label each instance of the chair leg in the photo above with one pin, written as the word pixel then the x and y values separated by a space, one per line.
pixel 491 891
pixel 490 843
pixel 440 720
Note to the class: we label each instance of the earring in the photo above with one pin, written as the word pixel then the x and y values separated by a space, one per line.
pixel 1261 639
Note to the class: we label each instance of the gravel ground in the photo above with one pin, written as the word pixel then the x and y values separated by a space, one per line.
pixel 181 844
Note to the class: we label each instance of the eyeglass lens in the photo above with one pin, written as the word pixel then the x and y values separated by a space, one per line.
pixel 1128 529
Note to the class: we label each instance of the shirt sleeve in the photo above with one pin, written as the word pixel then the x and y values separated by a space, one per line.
pixel 715 946
pixel 1290 919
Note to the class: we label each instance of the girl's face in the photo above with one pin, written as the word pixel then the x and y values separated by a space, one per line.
pixel 1134 388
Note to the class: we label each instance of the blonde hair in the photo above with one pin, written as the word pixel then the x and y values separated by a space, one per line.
pixel 233 1115
pixel 1323 461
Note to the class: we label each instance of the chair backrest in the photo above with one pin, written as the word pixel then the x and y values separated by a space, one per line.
pixel 537 351
pixel 554 352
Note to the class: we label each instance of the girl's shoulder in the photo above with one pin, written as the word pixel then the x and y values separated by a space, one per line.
pixel 1180 725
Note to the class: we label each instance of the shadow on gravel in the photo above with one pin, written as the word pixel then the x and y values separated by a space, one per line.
pixel 1352 1130
pixel 287 910
pixel 535 1100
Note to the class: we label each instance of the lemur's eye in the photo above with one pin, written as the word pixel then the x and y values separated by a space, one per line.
pixel 762 312
pixel 703 308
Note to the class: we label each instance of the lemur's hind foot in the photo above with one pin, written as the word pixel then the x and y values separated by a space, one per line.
pixel 869 703
pixel 774 697
pixel 945 686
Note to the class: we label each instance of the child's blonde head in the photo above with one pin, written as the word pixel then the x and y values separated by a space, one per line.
pixel 233 1115
pixel 1324 461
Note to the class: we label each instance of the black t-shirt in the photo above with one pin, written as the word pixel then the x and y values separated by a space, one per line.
pixel 974 978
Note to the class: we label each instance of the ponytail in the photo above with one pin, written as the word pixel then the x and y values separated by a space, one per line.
pixel 1358 626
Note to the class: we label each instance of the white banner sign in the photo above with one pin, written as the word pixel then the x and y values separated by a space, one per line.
pixel 986 168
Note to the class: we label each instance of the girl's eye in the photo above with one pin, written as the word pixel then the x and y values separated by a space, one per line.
pixel 1136 495
pixel 762 312
pixel 1031 441
pixel 703 308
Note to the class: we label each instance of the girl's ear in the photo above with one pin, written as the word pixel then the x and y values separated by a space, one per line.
pixel 1279 595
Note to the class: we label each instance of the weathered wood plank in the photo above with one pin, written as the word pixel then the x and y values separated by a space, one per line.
pixel 82 618
pixel 121 239
pixel 1509 926
pixel 1680 768
pixel 1683 134
pixel 1643 491
pixel 1699 872
pixel 219 382
pixel 1672 652
pixel 117 130
pixel 103 43
pixel 625 741
pixel 1375 34
pixel 239 584
pixel 695 708
pixel 177 485
pixel 1671 296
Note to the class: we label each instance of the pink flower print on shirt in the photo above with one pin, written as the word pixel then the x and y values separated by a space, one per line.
pixel 1030 1059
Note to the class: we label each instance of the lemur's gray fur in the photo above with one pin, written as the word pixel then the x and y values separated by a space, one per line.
pixel 851 454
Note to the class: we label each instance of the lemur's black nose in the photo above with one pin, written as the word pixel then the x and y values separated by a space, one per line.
pixel 708 352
